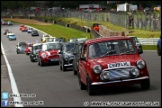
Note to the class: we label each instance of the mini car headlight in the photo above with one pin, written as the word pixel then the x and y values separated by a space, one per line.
pixel 140 64
pixel 134 72
pixel 105 75
pixel 43 55
pixel 97 69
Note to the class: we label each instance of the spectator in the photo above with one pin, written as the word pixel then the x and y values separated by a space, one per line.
pixel 130 20
pixel 96 27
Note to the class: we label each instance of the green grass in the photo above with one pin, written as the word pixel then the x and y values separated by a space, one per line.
pixel 149 47
pixel 61 31
pixel 144 34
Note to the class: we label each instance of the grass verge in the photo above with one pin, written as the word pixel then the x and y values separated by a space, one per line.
pixel 61 31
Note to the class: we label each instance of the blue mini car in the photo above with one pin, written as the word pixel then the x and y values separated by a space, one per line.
pixel 11 36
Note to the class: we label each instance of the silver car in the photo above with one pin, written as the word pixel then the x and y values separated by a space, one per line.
pixel 20 47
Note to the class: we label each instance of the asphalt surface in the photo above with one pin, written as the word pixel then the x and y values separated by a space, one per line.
pixel 56 88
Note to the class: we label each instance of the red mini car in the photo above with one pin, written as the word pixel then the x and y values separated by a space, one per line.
pixel 49 53
pixel 24 29
pixel 21 26
pixel 28 48
pixel 111 61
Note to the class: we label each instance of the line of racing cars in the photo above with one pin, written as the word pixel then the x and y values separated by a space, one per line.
pixel 108 61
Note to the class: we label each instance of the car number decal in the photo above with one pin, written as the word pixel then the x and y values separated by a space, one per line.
pixel 118 65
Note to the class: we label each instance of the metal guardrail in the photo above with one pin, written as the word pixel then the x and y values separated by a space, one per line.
pixel 148 41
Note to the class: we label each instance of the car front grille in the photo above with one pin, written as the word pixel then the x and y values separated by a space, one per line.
pixel 118 74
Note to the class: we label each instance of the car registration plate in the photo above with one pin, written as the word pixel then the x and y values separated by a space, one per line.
pixel 118 65
pixel 54 59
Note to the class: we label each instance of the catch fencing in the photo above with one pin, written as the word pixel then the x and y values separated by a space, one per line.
pixel 151 21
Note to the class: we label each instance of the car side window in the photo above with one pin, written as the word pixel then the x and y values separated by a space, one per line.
pixel 83 52
pixel 62 48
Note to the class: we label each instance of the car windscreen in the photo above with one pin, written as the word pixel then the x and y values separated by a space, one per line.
pixel 11 36
pixel 50 39
pixel 51 46
pixel 36 48
pixel 22 44
pixel 69 47
pixel 109 48
pixel 35 31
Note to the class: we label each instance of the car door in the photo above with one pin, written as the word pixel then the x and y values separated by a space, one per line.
pixel 83 64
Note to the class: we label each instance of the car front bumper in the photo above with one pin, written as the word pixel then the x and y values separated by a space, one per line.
pixel 134 80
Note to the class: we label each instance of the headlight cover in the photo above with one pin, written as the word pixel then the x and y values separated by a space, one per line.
pixel 43 55
pixel 134 72
pixel 97 69
pixel 140 64
pixel 105 75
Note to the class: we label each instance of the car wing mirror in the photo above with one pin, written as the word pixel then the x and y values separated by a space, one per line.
pixel 83 58
pixel 139 49
pixel 74 53
pixel 60 52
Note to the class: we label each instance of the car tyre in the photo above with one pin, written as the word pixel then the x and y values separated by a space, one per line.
pixel 41 63
pixel 90 88
pixel 31 59
pixel 38 61
pixel 145 84
pixel 63 67
pixel 81 84
pixel 75 72
pixel 60 66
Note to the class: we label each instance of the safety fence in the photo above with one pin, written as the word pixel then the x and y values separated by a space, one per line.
pixel 148 41
pixel 151 21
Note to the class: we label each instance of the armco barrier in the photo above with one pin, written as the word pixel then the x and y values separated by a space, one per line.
pixel 148 41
